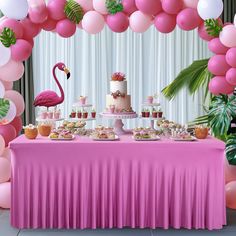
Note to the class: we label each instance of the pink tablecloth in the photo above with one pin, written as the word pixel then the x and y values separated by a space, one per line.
pixel 88 184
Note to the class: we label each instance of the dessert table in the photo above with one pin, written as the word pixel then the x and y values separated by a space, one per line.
pixel 115 184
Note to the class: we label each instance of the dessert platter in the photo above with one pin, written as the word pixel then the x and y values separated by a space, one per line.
pixel 182 135
pixel 59 134
pixel 102 133
pixel 118 103
pixel 145 134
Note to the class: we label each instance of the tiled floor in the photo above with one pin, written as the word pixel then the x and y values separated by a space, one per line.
pixel 7 230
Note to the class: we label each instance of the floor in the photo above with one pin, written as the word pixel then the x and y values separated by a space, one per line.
pixel 7 230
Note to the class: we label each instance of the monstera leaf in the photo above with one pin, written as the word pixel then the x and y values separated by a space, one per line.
pixel 7 37
pixel 114 6
pixel 4 107
pixel 213 27
pixel 231 149
pixel 74 11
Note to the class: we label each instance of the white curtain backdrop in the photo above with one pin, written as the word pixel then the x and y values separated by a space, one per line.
pixel 150 61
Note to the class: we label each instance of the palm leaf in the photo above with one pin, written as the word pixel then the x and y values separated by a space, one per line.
pixel 4 107
pixel 201 120
pixel 231 149
pixel 74 11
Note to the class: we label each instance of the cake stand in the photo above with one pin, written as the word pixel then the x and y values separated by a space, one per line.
pixel 118 117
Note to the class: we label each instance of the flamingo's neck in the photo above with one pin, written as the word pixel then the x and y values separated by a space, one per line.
pixel 58 84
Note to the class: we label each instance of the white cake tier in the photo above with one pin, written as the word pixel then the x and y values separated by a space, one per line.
pixel 120 103
pixel 118 86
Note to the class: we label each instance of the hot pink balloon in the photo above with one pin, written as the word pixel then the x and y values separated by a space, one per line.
pixel 87 5
pixel 49 24
pixel 230 190
pixel 2 145
pixel 188 19
pixel 129 6
pixel 56 9
pixel 231 76
pixel 230 172
pixel 38 14
pixel 228 36
pixel 5 170
pixel 217 47
pixel 203 33
pixel 17 99
pixel 100 6
pixel 8 132
pixel 93 22
pixel 172 6
pixel 15 25
pixel 118 22
pixel 139 22
pixel 231 57
pixel 165 23
pixel 17 124
pixel 21 51
pixel 219 85
pixel 65 28
pixel 7 85
pixel 190 3
pixel 217 65
pixel 31 42
pixel 149 7
pixel 30 29
pixel 12 71
pixel 5 195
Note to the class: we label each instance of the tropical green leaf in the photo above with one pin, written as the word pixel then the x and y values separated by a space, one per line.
pixel 114 6
pixel 201 120
pixel 231 149
pixel 74 12
pixel 7 37
pixel 213 27
pixel 4 107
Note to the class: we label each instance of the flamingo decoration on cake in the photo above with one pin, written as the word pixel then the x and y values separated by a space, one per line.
pixel 49 98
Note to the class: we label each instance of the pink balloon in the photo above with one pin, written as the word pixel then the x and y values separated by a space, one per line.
pixel 230 189
pixel 17 124
pixel 231 76
pixel 217 47
pixel 2 145
pixel 17 99
pixel 12 71
pixel 217 65
pixel 15 25
pixel 93 22
pixel 149 7
pixel 219 85
pixel 21 51
pixel 31 41
pixel 56 9
pixel 49 24
pixel 188 19
pixel 231 57
pixel 172 6
pixel 65 28
pixel 230 172
pixel 129 6
pixel 118 22
pixel 7 153
pixel 5 195
pixel 8 132
pixel 203 33
pixel 190 3
pixel 228 36
pixel 139 22
pixel 7 85
pixel 165 23
pixel 87 5
pixel 38 14
pixel 100 6
pixel 30 29
pixel 5 170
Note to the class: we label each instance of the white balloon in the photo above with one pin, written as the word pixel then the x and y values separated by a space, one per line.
pixel 5 55
pixel 11 114
pixel 210 9
pixel 14 9
pixel 2 90
pixel 235 20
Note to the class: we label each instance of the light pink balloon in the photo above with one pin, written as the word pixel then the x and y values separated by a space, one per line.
pixel 231 76
pixel 139 22
pixel 188 19
pixel 190 3
pixel 217 47
pixel 149 7
pixel 230 172
pixel 203 33
pixel 228 36
pixel 217 65
pixel 87 5
pixel 7 153
pixel 93 22
pixel 129 6
pixel 230 189
pixel 118 22
pixel 38 14
pixel 2 145
pixel 15 25
pixel 5 170
pixel 165 23
pixel 12 71
pixel 231 57
pixel 65 28
pixel 21 51
pixel 100 6
pixel 30 29
pixel 5 195
pixel 219 85
pixel 11 114
pixel 49 24
pixel 172 6
pixel 17 99
pixel 7 85
pixel 8 132
pixel 56 9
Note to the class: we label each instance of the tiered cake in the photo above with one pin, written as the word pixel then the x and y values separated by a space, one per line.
pixel 118 101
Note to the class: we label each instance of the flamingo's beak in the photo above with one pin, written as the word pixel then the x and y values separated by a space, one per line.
pixel 67 72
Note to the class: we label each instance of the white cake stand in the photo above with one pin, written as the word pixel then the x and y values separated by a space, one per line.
pixel 118 124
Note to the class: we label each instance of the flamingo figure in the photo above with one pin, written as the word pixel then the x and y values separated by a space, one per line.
pixel 49 98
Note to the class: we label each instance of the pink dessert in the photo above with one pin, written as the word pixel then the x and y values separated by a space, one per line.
pixel 150 99
pixel 50 115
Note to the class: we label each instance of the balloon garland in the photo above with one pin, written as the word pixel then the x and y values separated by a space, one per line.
pixel 24 19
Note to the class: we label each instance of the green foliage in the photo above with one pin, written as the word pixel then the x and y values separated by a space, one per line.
pixel 4 107
pixel 213 27
pixel 114 6
pixel 194 77
pixel 231 149
pixel 74 12
pixel 7 37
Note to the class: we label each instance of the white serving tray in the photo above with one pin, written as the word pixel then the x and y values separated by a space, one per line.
pixel 184 140
pixel 147 139
pixel 63 139
pixel 106 139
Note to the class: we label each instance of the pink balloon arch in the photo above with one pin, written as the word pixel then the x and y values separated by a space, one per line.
pixel 138 15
